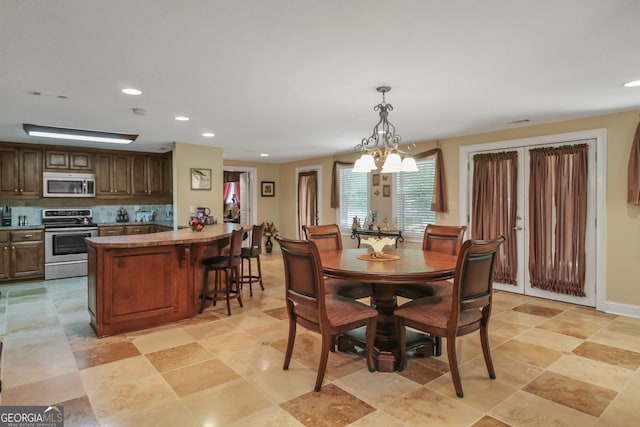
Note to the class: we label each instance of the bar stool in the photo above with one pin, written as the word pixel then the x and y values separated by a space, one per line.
pixel 229 265
pixel 250 253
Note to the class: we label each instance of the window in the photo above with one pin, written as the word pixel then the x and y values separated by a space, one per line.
pixel 412 195
pixel 354 197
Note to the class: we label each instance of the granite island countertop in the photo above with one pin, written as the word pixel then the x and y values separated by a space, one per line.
pixel 183 236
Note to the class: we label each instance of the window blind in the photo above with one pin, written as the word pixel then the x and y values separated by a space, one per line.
pixel 354 197
pixel 412 195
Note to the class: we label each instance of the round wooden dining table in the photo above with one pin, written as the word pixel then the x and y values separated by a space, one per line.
pixel 411 266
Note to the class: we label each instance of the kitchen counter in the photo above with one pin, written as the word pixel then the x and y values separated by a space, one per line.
pixel 22 227
pixel 113 223
pixel 146 280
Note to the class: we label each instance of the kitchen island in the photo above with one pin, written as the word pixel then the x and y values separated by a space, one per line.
pixel 141 281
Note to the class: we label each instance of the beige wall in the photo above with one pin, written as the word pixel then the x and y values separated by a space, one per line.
pixel 623 221
pixel 185 157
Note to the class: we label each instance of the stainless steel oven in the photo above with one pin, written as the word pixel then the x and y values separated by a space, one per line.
pixel 65 248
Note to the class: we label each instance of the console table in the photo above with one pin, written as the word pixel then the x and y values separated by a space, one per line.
pixel 356 233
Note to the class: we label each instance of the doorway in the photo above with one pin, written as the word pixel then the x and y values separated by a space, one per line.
pixel 524 259
pixel 308 185
pixel 240 195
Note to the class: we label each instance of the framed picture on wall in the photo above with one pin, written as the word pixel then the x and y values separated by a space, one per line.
pixel 386 190
pixel 268 189
pixel 376 179
pixel 200 179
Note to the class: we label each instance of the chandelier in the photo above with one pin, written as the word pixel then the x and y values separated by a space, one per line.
pixel 382 145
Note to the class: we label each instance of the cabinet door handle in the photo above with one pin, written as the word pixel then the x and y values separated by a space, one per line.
pixel 110 232
pixel 26 236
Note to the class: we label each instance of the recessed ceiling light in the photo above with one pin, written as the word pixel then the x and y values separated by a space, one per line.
pixel 264 155
pixel 181 118
pixel 632 84
pixel 132 91
pixel 208 134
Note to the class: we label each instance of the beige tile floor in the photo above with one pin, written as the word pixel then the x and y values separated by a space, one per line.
pixel 557 364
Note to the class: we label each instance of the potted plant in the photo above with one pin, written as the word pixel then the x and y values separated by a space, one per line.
pixel 268 231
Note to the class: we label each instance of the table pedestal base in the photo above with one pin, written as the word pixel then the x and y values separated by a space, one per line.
pixel 386 359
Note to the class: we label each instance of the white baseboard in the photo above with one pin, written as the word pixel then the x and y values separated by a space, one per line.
pixel 620 309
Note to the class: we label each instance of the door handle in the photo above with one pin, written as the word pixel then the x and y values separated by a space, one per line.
pixel 517 227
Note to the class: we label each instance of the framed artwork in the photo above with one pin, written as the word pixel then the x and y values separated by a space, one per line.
pixel 376 179
pixel 386 190
pixel 268 189
pixel 200 179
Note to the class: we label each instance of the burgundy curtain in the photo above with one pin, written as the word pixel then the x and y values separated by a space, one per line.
pixel 335 187
pixel 633 172
pixel 226 191
pixel 229 188
pixel 557 218
pixel 307 199
pixel 439 200
pixel 494 208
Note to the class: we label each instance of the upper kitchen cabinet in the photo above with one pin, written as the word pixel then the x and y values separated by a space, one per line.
pixel 56 159
pixel 20 172
pixel 113 175
pixel 147 175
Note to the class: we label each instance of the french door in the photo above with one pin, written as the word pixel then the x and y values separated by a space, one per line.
pixel 522 227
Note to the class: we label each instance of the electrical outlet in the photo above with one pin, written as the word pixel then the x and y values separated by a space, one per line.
pixel 192 209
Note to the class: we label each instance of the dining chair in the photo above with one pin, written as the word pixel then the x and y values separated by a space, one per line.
pixel 328 237
pixel 229 265
pixel 466 310
pixel 309 306
pixel 438 238
pixel 249 253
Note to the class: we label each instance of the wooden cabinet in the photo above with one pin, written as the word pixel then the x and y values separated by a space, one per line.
pixel 20 172
pixel 147 176
pixel 22 254
pixel 111 230
pixel 130 289
pixel 113 175
pixel 5 255
pixel 119 230
pixel 138 229
pixel 68 160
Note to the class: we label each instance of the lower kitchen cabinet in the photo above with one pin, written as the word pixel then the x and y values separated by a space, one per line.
pixel 22 254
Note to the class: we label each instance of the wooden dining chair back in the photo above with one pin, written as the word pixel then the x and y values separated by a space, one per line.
pixel 229 265
pixel 328 237
pixel 250 253
pixel 310 307
pixel 467 309
pixel 438 238
pixel 443 238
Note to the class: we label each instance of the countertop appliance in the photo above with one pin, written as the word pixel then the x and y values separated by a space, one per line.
pixel 65 231
pixel 6 216
pixel 64 184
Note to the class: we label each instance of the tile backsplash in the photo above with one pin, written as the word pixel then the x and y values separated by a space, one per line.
pixel 101 213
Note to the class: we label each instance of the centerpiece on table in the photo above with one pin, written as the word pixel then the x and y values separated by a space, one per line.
pixel 377 245
pixel 269 231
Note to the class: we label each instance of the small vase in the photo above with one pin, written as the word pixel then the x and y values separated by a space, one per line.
pixel 268 245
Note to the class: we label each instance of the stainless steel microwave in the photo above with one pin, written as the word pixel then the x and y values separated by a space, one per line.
pixel 64 184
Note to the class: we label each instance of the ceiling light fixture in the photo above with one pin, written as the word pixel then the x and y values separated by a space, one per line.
pixel 264 155
pixel 132 91
pixel 181 118
pixel 78 134
pixel 208 134
pixel 632 84
pixel 382 145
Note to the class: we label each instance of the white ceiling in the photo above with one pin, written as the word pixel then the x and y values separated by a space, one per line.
pixel 297 78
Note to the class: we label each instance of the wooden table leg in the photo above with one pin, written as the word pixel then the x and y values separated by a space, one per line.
pixel 384 300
